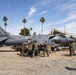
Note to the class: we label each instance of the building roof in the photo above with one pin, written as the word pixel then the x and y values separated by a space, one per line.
pixel 56 31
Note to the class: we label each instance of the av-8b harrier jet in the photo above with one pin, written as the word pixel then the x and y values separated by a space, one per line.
pixel 61 39
pixel 8 39
pixel 53 40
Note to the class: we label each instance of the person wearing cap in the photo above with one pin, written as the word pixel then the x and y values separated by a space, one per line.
pixel 24 48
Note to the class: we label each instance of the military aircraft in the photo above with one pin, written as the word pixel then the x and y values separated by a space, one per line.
pixel 60 39
pixel 41 39
pixel 52 40
pixel 74 38
pixel 8 39
pixel 57 40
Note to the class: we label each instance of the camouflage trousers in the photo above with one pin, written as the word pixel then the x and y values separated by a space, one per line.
pixel 44 51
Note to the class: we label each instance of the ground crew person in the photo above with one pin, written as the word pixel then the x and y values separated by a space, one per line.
pixel 29 52
pixel 24 48
pixel 45 48
pixel 39 48
pixel 20 48
pixel 35 52
pixel 72 48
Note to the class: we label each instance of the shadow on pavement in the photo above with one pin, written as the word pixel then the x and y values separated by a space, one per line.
pixel 68 68
pixel 65 55
pixel 8 51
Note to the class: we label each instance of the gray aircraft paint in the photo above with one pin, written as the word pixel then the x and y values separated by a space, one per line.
pixel 7 39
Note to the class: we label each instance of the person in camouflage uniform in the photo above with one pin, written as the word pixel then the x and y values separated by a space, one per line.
pixel 72 48
pixel 35 51
pixel 45 49
pixel 24 48
pixel 20 49
pixel 29 52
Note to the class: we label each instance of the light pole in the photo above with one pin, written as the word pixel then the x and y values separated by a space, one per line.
pixel 64 29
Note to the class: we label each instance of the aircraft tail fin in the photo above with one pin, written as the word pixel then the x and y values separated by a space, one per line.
pixel 3 32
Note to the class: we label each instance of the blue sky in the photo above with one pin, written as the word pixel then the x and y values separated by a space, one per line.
pixel 57 13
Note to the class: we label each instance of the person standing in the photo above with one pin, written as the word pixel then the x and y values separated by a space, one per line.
pixel 72 48
pixel 29 52
pixel 46 50
pixel 35 52
pixel 24 48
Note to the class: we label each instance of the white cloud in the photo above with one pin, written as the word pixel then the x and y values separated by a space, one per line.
pixel 71 16
pixel 43 2
pixel 72 12
pixel 46 2
pixel 44 12
pixel 71 26
pixel 70 5
pixel 31 12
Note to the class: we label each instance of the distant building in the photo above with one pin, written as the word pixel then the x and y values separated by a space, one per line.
pixel 56 31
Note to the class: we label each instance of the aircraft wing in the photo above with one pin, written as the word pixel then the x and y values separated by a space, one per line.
pixel 3 38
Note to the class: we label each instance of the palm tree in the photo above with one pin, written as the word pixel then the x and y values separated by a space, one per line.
pixel 42 20
pixel 24 21
pixel 34 33
pixel 31 30
pixel 5 24
pixel 5 19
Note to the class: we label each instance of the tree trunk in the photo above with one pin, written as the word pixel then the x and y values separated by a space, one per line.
pixel 24 29
pixel 42 29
